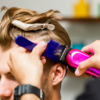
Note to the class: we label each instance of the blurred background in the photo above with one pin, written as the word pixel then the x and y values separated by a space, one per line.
pixel 81 21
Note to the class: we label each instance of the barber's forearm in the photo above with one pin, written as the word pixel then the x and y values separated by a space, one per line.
pixel 29 97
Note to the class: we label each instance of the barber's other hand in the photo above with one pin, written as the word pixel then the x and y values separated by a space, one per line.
pixel 27 68
pixel 94 61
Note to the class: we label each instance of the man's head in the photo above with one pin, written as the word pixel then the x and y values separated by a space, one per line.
pixel 53 72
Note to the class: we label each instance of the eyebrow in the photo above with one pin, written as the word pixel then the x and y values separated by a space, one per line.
pixel 7 73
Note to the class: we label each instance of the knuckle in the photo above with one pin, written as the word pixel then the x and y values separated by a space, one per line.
pixel 81 66
pixel 96 61
pixel 35 52
pixel 34 55
pixel 97 42
pixel 83 47
pixel 93 60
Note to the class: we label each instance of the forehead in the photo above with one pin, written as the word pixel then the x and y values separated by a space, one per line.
pixel 4 56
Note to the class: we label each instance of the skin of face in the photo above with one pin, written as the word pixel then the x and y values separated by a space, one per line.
pixel 7 81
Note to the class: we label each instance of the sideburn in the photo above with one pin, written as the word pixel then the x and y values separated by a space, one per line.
pixel 46 89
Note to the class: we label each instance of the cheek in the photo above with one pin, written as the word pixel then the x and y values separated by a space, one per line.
pixel 47 76
pixel 47 89
pixel 46 82
pixel 13 84
pixel 43 78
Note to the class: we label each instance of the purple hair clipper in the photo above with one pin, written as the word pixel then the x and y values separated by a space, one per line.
pixel 69 57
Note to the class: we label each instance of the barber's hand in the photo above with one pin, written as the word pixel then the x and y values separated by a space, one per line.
pixel 94 61
pixel 27 68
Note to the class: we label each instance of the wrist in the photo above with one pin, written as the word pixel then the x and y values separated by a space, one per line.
pixel 29 97
pixel 23 91
pixel 35 82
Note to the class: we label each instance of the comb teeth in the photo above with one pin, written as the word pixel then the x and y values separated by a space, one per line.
pixel 51 52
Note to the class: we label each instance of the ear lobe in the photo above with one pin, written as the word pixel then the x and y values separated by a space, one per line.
pixel 59 73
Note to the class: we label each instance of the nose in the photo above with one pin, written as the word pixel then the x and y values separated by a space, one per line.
pixel 5 89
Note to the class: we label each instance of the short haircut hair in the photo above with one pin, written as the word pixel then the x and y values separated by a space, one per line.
pixel 9 32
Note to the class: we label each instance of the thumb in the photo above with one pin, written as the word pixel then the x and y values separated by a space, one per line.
pixel 39 48
pixel 83 66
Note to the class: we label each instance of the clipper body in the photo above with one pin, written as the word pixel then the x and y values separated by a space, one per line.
pixel 75 57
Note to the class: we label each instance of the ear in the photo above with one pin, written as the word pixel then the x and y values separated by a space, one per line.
pixel 58 73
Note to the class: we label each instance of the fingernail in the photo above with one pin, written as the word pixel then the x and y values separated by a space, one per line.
pixel 43 44
pixel 77 72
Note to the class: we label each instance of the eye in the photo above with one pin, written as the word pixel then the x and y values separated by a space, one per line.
pixel 11 77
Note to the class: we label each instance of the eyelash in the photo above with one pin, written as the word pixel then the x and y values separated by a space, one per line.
pixel 11 77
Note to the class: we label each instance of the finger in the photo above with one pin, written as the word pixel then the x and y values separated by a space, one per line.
pixel 91 48
pixel 88 49
pixel 9 61
pixel 43 61
pixel 42 57
pixel 18 49
pixel 39 48
pixel 21 49
pixel 83 66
